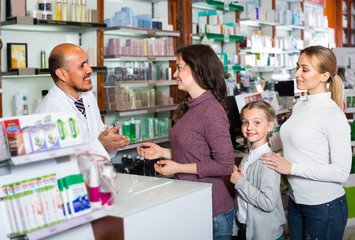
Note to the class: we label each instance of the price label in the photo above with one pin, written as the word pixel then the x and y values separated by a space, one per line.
pixel 151 58
pixel 151 32
pixel 52 229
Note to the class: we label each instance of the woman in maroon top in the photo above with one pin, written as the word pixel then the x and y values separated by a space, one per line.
pixel 201 150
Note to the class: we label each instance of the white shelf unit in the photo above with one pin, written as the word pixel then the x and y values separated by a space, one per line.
pixel 62 162
pixel 40 35
pixel 285 58
pixel 159 10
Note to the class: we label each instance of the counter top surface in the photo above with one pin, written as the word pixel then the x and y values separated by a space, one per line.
pixel 138 193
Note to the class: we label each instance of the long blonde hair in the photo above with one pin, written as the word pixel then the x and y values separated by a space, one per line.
pixel 323 60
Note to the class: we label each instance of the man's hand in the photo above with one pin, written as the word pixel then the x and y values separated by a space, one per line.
pixel 111 140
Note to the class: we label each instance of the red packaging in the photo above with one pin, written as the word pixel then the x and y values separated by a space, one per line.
pixel 14 138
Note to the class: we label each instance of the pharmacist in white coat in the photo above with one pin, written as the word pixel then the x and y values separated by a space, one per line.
pixel 71 93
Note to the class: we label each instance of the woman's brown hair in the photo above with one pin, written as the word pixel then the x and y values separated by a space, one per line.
pixel 207 70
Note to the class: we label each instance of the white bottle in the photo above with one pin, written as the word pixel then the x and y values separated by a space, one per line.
pixel 73 10
pixel 65 11
pixel 78 11
pixel 83 11
pixel 94 187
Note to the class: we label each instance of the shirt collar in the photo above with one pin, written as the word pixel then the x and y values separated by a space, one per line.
pixel 256 153
pixel 68 95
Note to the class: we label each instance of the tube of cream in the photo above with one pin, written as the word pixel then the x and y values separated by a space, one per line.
pixel 65 202
pixel 94 187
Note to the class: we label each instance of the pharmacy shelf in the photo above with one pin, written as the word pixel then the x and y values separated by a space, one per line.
pixel 40 25
pixel 234 68
pixel 138 111
pixel 114 58
pixel 60 152
pixel 317 30
pixel 219 37
pixel 289 27
pixel 39 72
pixel 264 69
pixel 261 50
pixel 134 145
pixel 62 226
pixel 149 83
pixel 269 68
pixel 129 31
pixel 256 23
pixel 212 4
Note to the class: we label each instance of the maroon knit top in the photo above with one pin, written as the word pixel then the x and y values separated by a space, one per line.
pixel 202 136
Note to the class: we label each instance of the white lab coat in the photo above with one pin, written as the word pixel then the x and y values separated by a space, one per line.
pixel 90 127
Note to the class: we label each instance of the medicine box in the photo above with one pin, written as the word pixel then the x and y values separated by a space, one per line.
pixel 215 17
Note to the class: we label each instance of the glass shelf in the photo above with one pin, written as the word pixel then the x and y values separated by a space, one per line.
pixel 138 111
pixel 220 37
pixel 212 4
pixel 34 24
pixel 135 144
pixel 114 58
pixel 256 23
pixel 264 69
pixel 129 31
pixel 40 72
pixel 149 83
pixel 289 27
pixel 262 50
pixel 269 68
pixel 315 29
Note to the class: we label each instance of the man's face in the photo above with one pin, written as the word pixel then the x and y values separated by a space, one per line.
pixel 79 72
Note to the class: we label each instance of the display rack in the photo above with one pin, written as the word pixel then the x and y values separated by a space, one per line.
pixel 40 72
pixel 34 24
pixel 31 30
pixel 132 58
pixel 66 225
pixel 157 9
pixel 62 162
pixel 212 4
pixel 139 111
pixel 130 31
pixel 150 83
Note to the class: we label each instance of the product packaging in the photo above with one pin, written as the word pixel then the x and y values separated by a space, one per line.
pixel 94 186
pixel 106 175
pixel 14 138
pixel 65 202
pixel 77 194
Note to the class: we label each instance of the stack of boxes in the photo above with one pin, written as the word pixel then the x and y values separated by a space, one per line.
pixel 212 22
pixel 140 72
pixel 141 47
pixel 126 18
pixel 119 98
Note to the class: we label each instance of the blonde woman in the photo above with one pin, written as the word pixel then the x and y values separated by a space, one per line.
pixel 317 150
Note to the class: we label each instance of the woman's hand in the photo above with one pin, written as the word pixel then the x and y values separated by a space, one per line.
pixel 152 151
pixel 236 174
pixel 166 167
pixel 277 163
